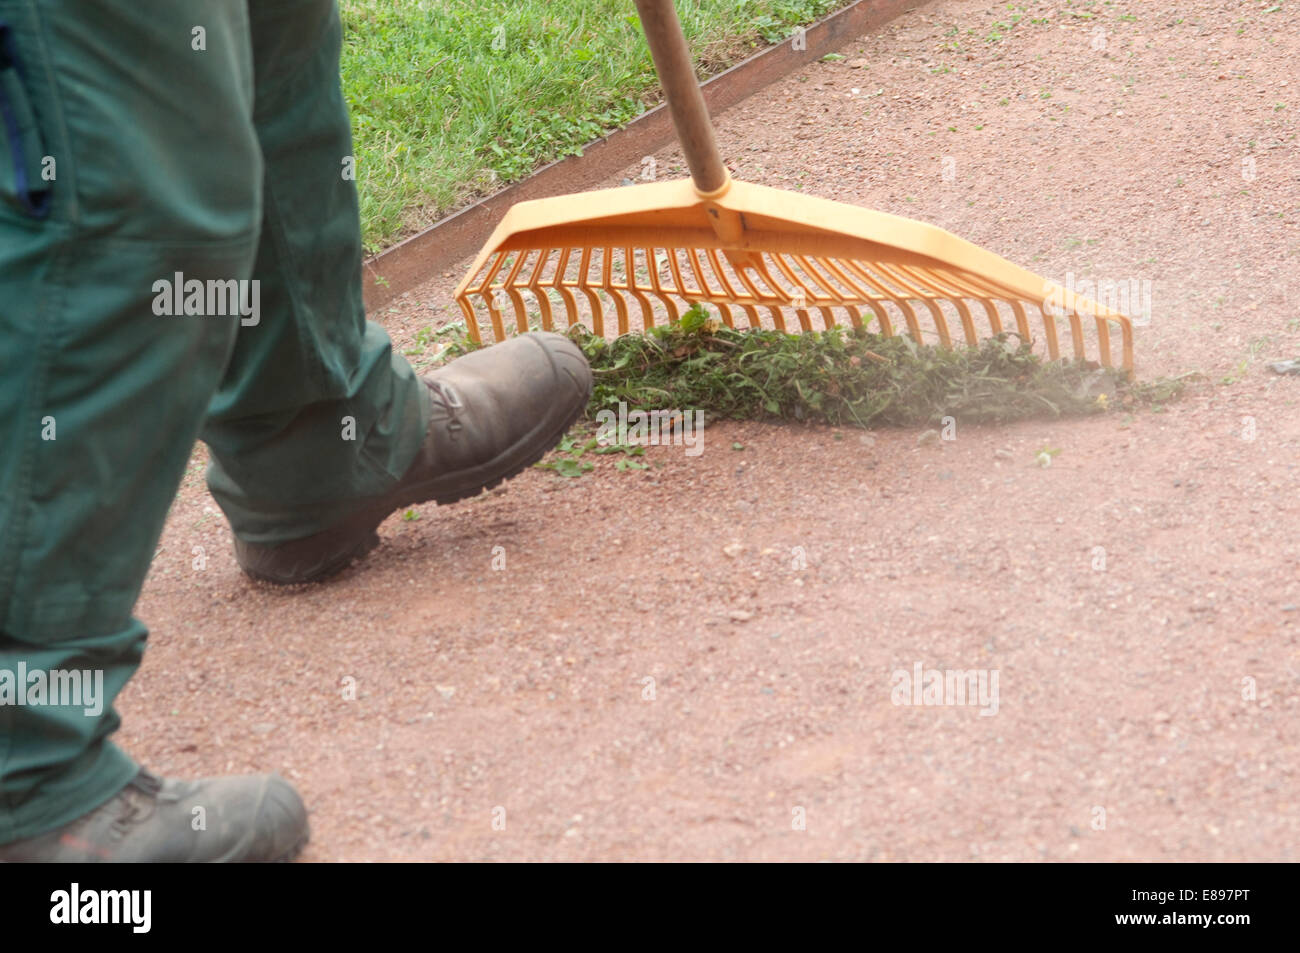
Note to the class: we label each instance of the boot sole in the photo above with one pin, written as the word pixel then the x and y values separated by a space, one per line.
pixel 292 853
pixel 367 522
pixel 287 857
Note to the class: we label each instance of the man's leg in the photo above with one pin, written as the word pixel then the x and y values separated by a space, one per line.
pixel 315 410
pixel 319 430
pixel 141 114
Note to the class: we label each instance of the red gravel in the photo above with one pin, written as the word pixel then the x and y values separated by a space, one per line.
pixel 1121 689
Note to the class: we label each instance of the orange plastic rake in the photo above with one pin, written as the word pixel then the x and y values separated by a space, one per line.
pixel 780 259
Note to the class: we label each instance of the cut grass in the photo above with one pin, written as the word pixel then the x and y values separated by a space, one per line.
pixel 452 99
pixel 845 377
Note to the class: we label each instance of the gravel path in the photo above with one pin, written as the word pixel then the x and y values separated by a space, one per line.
pixel 699 660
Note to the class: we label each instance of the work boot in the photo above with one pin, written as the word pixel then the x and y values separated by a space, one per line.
pixel 495 412
pixel 247 818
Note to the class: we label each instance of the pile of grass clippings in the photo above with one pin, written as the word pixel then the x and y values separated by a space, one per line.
pixel 845 377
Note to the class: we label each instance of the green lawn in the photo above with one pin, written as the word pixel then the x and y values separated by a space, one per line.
pixel 451 99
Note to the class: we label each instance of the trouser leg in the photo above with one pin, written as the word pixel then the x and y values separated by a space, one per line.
pixel 315 411
pixel 146 113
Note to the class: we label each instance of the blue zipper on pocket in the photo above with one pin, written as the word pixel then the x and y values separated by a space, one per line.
pixel 35 202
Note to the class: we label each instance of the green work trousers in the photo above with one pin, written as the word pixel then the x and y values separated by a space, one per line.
pixel 149 149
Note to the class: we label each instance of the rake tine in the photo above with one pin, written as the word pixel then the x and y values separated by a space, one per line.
pixel 540 293
pixel 991 290
pixel 521 309
pixel 634 288
pixel 810 269
pixel 1049 323
pixel 778 316
pixel 729 292
pixel 826 310
pixel 698 270
pixel 872 294
pixel 593 299
pixel 886 326
pixel 561 283
pixel 990 308
pixel 913 326
pixel 467 312
pixel 919 294
pixel 727 287
pixel 675 267
pixel 806 277
pixel 620 307
pixel 486 290
pixel 932 281
pixel 1076 332
pixel 700 292
pixel 1102 318
pixel 967 321
pixel 1022 320
pixel 1103 340
pixel 940 323
pixel 607 284
pixel 705 292
pixel 995 319
pixel 775 290
pixel 471 322
pixel 509 286
pixel 987 289
pixel 808 294
pixel 669 305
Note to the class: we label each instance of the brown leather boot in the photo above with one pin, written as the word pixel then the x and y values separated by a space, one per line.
pixel 495 412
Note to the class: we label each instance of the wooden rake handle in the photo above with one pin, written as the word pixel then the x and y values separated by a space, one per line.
pixel 672 58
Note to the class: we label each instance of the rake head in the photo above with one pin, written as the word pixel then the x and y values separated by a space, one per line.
pixel 627 259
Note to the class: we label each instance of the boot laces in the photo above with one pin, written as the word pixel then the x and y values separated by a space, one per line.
pixel 446 396
pixel 138 802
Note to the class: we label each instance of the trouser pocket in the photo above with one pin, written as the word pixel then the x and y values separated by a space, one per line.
pixel 24 181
